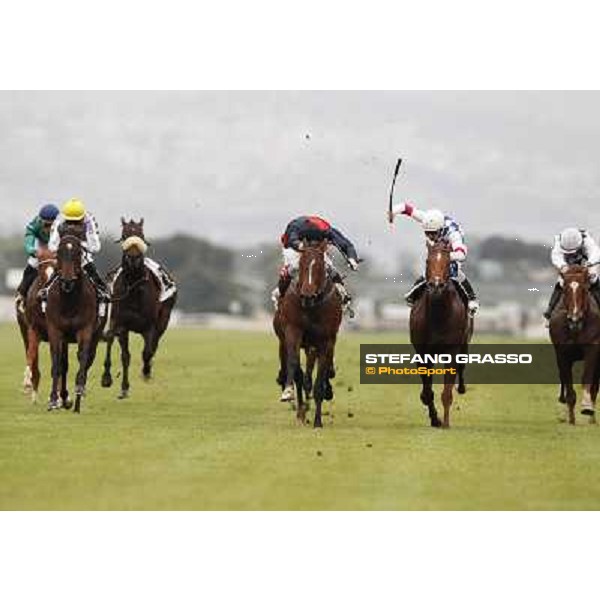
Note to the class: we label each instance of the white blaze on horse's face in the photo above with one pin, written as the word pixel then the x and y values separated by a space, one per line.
pixel 574 285
pixel 49 272
pixel 310 269
pixel 69 246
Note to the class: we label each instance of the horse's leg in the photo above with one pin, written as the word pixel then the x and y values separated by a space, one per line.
pixel 300 404
pixel 589 383
pixel 281 376
pixel 107 379
pixel 84 342
pixel 567 390
pixel 64 392
pixel 56 356
pixel 32 371
pixel 325 364
pixel 461 388
pixel 125 362
pixel 150 345
pixel 308 374
pixel 427 398
pixel 292 353
pixel 449 378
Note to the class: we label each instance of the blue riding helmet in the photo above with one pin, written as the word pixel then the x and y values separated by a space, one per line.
pixel 48 212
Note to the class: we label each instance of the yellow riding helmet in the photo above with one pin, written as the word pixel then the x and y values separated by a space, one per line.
pixel 74 210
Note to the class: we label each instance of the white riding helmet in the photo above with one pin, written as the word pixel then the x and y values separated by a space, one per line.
pixel 571 240
pixel 433 220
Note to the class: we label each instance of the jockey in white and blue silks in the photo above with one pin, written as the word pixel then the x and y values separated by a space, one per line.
pixel 440 227
pixel 574 247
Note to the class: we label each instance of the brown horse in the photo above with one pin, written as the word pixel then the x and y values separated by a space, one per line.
pixel 32 324
pixel 440 323
pixel 72 316
pixel 308 317
pixel 575 333
pixel 135 306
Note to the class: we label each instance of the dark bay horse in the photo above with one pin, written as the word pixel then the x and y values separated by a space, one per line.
pixel 72 316
pixel 32 324
pixel 575 333
pixel 135 306
pixel 308 317
pixel 440 323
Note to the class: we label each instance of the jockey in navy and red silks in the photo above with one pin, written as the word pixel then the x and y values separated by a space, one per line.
pixel 313 228
pixel 440 227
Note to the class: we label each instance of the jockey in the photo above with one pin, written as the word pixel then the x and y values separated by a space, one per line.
pixel 440 227
pixel 574 247
pixel 167 284
pixel 74 211
pixel 314 228
pixel 37 234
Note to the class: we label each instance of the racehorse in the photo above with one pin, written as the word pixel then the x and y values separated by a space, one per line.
pixel 308 317
pixel 440 323
pixel 575 333
pixel 72 316
pixel 135 306
pixel 32 324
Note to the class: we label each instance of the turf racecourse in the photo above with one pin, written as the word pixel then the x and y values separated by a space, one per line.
pixel 209 433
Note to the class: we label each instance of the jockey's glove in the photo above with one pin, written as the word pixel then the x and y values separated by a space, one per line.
pixel 353 264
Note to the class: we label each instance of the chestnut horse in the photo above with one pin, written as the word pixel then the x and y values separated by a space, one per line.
pixel 440 323
pixel 135 306
pixel 72 316
pixel 32 324
pixel 308 317
pixel 575 333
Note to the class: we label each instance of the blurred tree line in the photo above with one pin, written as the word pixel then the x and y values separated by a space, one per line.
pixel 205 272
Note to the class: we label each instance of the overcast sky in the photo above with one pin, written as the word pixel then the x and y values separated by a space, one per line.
pixel 236 166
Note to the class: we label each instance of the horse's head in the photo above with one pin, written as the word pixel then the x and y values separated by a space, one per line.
pixel 312 276
pixel 132 228
pixel 46 264
pixel 437 272
pixel 68 263
pixel 134 249
pixel 576 297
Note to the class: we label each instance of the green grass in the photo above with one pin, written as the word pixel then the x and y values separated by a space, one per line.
pixel 209 433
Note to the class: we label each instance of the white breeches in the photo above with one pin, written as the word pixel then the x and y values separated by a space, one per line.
pixel 291 260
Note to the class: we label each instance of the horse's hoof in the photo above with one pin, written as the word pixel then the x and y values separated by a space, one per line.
pixel 461 389
pixel 289 394
pixel 587 411
pixel 66 403
pixel 107 380
pixel 124 394
pixel 436 423
pixel 53 405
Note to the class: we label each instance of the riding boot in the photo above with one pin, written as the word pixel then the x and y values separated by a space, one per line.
pixel 99 283
pixel 473 303
pixel 345 295
pixel 413 295
pixel 282 285
pixel 29 275
pixel 554 299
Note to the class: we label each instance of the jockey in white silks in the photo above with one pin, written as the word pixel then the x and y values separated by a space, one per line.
pixel 440 227
pixel 574 247
pixel 166 282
